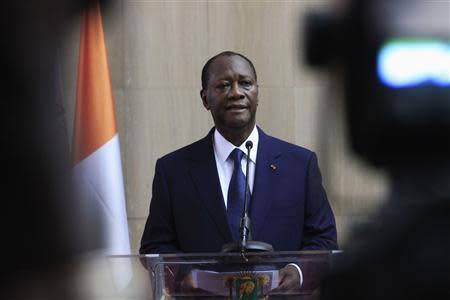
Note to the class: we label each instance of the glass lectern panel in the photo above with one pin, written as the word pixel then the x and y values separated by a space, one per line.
pixel 234 276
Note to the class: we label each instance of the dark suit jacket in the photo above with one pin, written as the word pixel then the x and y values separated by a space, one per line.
pixel 289 208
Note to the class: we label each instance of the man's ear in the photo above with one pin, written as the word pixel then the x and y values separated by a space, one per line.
pixel 203 96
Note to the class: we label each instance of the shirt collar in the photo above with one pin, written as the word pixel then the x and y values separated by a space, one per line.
pixel 223 147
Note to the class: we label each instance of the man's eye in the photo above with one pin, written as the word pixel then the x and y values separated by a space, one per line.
pixel 223 85
pixel 246 83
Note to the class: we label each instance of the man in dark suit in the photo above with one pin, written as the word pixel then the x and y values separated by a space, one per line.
pixel 192 189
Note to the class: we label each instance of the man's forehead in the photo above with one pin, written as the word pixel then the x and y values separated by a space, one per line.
pixel 227 65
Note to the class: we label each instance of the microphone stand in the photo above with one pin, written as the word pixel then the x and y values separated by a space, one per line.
pixel 245 243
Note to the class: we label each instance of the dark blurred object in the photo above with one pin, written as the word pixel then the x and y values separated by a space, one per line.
pixel 40 220
pixel 394 59
pixel 403 252
pixel 417 273
pixel 395 55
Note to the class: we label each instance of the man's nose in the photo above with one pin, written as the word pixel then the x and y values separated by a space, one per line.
pixel 235 91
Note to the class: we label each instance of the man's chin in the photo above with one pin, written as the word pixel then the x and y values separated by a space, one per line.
pixel 239 125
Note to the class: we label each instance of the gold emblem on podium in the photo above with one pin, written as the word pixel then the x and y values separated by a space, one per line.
pixel 247 286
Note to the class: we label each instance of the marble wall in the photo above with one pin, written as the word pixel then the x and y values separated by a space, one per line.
pixel 156 52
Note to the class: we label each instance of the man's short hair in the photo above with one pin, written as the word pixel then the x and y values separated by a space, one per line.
pixel 205 70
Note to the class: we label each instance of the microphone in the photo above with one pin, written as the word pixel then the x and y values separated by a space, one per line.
pixel 245 242
pixel 244 228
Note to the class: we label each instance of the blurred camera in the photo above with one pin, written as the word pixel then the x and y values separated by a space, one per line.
pixel 395 58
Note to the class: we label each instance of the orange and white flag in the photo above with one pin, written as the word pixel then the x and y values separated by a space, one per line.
pixel 96 149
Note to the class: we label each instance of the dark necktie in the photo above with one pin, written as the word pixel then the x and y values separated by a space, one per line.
pixel 236 194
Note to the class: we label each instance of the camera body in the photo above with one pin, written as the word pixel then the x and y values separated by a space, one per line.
pixel 395 57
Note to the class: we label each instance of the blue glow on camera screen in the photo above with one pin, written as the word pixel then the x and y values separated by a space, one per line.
pixel 404 63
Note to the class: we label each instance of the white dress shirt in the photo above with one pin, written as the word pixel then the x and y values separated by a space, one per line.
pixel 222 151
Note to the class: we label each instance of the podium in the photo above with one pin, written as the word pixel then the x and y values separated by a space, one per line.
pixel 233 275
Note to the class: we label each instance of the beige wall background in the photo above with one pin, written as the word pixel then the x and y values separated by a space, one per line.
pixel 156 52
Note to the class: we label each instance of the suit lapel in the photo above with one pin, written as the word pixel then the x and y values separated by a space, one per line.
pixel 206 180
pixel 265 180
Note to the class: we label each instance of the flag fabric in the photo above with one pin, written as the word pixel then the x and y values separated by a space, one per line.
pixel 96 150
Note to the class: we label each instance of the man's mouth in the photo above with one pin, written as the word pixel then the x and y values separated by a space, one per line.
pixel 237 107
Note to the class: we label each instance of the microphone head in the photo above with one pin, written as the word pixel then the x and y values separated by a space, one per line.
pixel 249 145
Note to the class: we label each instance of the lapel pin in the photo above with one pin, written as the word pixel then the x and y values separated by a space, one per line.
pixel 273 167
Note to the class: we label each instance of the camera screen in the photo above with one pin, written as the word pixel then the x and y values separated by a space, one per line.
pixel 407 63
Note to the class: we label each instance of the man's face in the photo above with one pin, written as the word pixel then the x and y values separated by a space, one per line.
pixel 231 94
